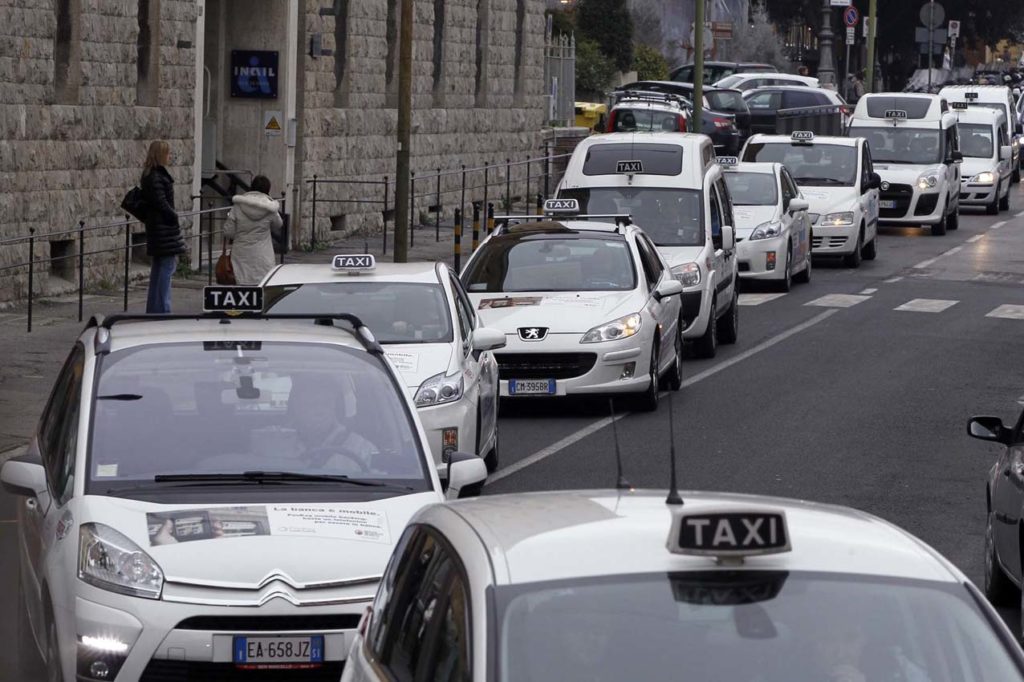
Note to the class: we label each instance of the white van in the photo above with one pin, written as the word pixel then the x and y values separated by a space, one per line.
pixel 671 186
pixel 916 151
pixel 1000 98
pixel 986 172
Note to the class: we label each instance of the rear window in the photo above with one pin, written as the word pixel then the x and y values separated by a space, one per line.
pixel 752 189
pixel 797 99
pixel 656 159
pixel 916 107
pixel 626 120
pixel 726 100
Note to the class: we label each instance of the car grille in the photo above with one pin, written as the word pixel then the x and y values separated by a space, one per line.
pixel 201 671
pixel 827 242
pixel 902 195
pixel 544 365
pixel 316 623
pixel 926 204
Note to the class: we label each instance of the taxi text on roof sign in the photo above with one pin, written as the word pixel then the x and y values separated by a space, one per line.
pixel 727 160
pixel 232 299
pixel 561 206
pixel 960 105
pixel 362 262
pixel 728 533
pixel 802 136
pixel 896 114
pixel 630 167
pixel 971 95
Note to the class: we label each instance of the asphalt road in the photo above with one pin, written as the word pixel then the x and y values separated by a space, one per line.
pixel 854 389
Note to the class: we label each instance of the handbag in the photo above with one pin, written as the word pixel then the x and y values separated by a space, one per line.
pixel 134 203
pixel 223 272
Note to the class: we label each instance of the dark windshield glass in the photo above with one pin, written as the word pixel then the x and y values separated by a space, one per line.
pixel 916 107
pixel 746 626
pixel 752 189
pixel 655 159
pixel 628 120
pixel 976 140
pixel 396 312
pixel 670 217
pixel 233 406
pixel 903 145
pixel 726 100
pixel 809 164
pixel 516 262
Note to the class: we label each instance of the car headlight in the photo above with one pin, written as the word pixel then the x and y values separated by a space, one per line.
pixel 814 218
pixel 622 328
pixel 688 274
pixel 110 561
pixel 927 182
pixel 986 178
pixel 766 231
pixel 439 389
pixel 838 219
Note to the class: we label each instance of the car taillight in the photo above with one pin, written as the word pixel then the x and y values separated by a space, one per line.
pixel 682 123
pixel 723 123
pixel 611 123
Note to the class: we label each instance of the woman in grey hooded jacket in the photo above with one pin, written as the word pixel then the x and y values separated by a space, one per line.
pixel 249 224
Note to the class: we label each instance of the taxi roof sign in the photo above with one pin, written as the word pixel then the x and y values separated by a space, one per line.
pixel 728 161
pixel 896 114
pixel 971 95
pixel 802 136
pixel 232 299
pixel 631 167
pixel 553 206
pixel 354 263
pixel 729 533
pixel 961 106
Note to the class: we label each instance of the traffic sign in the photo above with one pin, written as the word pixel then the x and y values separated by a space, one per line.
pixel 954 28
pixel 932 14
pixel 840 3
pixel 851 16
pixel 851 35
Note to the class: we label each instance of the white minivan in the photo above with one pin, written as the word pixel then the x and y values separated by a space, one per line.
pixel 985 143
pixel 672 187
pixel 1000 98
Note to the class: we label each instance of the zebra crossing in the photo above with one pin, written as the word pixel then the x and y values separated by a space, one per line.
pixel 1005 311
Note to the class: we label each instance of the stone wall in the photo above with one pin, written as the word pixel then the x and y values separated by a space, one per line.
pixel 71 147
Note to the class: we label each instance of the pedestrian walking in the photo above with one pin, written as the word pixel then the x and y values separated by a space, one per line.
pixel 163 232
pixel 250 222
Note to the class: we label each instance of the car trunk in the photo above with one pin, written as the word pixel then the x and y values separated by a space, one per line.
pixel 731 102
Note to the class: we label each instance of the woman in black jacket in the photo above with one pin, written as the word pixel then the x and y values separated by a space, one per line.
pixel 163 233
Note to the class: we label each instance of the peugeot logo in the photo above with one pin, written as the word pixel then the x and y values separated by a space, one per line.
pixel 885 186
pixel 533 333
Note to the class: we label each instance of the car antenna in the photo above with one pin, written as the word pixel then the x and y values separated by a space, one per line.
pixel 620 482
pixel 673 489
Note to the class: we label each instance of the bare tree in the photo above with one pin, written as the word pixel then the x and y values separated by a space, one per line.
pixel 647 23
pixel 759 41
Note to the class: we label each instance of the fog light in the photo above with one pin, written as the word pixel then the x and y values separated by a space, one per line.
pixel 99 670
pixel 771 260
pixel 628 370
pixel 105 644
pixel 100 658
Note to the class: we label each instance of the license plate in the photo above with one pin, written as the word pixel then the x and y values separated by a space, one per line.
pixel 887 203
pixel 531 387
pixel 278 652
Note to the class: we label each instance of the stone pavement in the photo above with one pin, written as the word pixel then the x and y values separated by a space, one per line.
pixel 33 359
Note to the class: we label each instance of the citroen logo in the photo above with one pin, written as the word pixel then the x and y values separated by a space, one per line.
pixel 533 333
pixel 885 186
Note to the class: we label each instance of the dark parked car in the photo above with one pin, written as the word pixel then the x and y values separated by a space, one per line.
pixel 724 118
pixel 765 103
pixel 716 71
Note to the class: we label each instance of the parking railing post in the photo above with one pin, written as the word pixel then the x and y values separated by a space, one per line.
pixel 31 272
pixel 384 246
pixel 457 242
pixel 490 218
pixel 81 265
pixel 312 220
pixel 128 255
pixel 476 225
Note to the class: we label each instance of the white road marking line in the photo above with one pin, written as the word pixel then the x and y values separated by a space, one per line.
pixel 926 263
pixel 868 292
pixel 1019 215
pixel 976 238
pixel 838 300
pixel 1008 311
pixel 949 252
pixel 927 305
pixel 891 280
pixel 996 226
pixel 591 429
pixel 758 299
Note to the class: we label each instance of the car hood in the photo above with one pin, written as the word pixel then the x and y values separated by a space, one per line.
pixel 905 174
pixel 749 217
pixel 562 312
pixel 417 362
pixel 303 543
pixel 972 166
pixel 680 255
pixel 824 200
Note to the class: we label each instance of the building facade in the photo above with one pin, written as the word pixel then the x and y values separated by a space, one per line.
pixel 284 88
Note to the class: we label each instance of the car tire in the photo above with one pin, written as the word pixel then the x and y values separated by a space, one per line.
pixel 647 400
pixel 953 219
pixel 1004 203
pixel 1015 178
pixel 853 259
pixel 707 345
pixel 939 228
pixel 786 283
pixel 804 276
pixel 674 379
pixel 993 207
pixel 870 250
pixel 729 324
pixel 54 670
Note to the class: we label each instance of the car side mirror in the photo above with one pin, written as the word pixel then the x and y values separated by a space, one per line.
pixel 466 476
pixel 874 181
pixel 956 156
pixel 988 428
pixel 797 204
pixel 24 476
pixel 668 287
pixel 1005 152
pixel 728 238
pixel 487 338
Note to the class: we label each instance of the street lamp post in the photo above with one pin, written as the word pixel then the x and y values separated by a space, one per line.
pixel 826 63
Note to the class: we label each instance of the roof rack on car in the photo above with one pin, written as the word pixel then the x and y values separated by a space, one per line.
pixel 104 324
pixel 651 96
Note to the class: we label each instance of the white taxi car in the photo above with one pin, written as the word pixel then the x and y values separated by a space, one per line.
pixel 916 151
pixel 421 315
pixel 836 177
pixel 673 188
pixel 986 168
pixel 773 231
pixel 615 585
pixel 210 497
pixel 997 98
pixel 588 306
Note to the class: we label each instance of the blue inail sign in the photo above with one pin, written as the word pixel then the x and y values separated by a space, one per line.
pixel 254 74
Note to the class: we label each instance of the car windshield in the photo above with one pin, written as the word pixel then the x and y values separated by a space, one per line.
pixel 746 626
pixel 670 217
pixel 917 146
pixel 524 262
pixel 976 140
pixel 396 312
pixel 727 100
pixel 809 164
pixel 228 407
pixel 730 81
pixel 645 120
pixel 752 189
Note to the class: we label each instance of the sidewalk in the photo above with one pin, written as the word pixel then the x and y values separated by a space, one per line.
pixel 34 359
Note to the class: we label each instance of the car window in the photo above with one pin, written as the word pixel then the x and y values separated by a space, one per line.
pixel 464 309
pixel 763 101
pixel 903 145
pixel 716 217
pixel 651 264
pixel 951 142
pixel 726 202
pixel 232 406
pixel 752 189
pixel 645 120
pixel 976 140
pixel 729 101
pixel 793 99
pixel 401 562
pixel 450 658
pixel 654 159
pixel 670 217
pixel 789 188
pixel 58 429
pixel 811 164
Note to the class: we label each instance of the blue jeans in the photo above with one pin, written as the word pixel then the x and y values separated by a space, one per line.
pixel 159 298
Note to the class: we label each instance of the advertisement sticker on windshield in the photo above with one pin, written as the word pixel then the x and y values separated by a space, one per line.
pixel 351 523
pixel 629 167
pixel 187 525
pixel 319 521
pixel 509 302
pixel 403 362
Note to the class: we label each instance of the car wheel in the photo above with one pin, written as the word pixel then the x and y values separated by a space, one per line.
pixel 729 325
pixel 674 379
pixel 647 401
pixel 54 670
pixel 999 589
pixel 870 250
pixel 853 259
pixel 804 276
pixel 1015 178
pixel 939 228
pixel 993 207
pixel 707 345
pixel 786 283
pixel 1004 203
pixel 953 219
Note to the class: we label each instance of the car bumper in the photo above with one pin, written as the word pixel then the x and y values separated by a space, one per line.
pixel 696 311
pixel 459 416
pixel 762 258
pixel 919 208
pixel 834 240
pixel 973 194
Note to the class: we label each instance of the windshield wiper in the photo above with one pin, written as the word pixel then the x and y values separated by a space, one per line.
pixel 120 396
pixel 270 477
pixel 822 181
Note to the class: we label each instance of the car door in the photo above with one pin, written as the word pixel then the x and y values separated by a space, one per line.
pixel 666 311
pixel 1008 501
pixel 730 266
pixel 480 369
pixel 764 107
pixel 868 195
pixel 469 361
pixel 799 222
pixel 951 142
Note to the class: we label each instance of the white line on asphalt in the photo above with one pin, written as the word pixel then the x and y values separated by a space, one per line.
pixel 838 300
pixel 893 279
pixel 1019 215
pixel 868 292
pixel 926 305
pixel 925 263
pixel 976 238
pixel 591 429
pixel 1008 311
pixel 757 299
pixel 996 226
pixel 949 252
